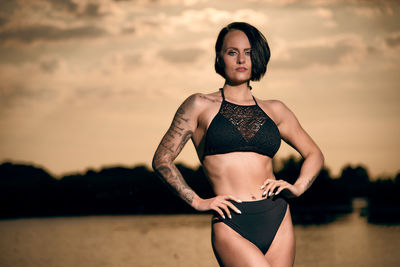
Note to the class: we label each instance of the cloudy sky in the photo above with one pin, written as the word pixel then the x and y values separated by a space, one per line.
pixel 86 84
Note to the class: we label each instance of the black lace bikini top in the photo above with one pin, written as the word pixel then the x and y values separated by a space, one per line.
pixel 241 128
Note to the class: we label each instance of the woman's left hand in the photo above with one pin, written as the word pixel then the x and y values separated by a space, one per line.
pixel 272 187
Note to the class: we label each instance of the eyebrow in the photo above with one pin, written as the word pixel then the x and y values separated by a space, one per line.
pixel 234 48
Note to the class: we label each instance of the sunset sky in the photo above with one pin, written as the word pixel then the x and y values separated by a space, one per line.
pixel 86 84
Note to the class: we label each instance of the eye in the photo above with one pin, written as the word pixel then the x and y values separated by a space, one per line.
pixel 231 53
pixel 248 53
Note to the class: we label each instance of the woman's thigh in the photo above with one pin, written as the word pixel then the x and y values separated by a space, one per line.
pixel 281 253
pixel 231 249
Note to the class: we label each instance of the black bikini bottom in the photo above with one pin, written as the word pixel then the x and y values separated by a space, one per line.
pixel 259 221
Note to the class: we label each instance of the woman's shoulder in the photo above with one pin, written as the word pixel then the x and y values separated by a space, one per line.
pixel 274 105
pixel 277 109
pixel 200 101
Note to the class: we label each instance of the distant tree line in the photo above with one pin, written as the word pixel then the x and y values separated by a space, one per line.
pixel 28 191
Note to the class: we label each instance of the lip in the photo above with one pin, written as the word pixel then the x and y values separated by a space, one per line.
pixel 241 69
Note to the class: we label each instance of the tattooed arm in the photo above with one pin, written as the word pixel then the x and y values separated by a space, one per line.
pixel 180 131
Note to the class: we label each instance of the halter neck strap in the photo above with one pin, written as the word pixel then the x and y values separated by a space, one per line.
pixel 254 100
pixel 222 93
pixel 223 96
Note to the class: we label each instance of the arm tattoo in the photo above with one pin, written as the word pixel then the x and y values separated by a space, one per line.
pixel 186 137
pixel 170 174
pixel 171 145
pixel 175 180
pixel 209 99
pixel 176 130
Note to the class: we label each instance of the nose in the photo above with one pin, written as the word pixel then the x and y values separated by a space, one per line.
pixel 241 58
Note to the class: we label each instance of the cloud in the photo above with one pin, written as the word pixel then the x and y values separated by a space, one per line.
pixel 303 2
pixel 393 41
pixel 20 95
pixel 183 55
pixel 132 60
pixel 329 52
pixel 8 7
pixel 69 5
pixel 30 83
pixel 33 33
pixel 206 19
pixel 327 16
pixel 128 30
pixel 92 10
pixel 3 21
pixel 194 2
pixel 10 95
pixel 49 65
pixel 80 8
pixel 369 12
pixel 323 13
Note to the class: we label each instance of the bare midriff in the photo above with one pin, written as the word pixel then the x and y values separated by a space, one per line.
pixel 239 174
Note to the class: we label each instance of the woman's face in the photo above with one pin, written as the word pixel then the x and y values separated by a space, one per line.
pixel 236 54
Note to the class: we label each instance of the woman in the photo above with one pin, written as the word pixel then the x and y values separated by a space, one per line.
pixel 236 137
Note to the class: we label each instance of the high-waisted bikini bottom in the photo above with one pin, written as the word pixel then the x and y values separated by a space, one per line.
pixel 259 221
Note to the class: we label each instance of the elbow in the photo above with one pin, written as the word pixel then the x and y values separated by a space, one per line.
pixel 155 164
pixel 321 158
pixel 159 161
pixel 317 157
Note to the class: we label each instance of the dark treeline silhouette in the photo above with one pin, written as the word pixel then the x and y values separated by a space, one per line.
pixel 27 191
pixel 384 200
pixel 323 202
pixel 30 191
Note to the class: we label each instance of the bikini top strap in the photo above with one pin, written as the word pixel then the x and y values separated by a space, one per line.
pixel 254 100
pixel 222 93
pixel 223 96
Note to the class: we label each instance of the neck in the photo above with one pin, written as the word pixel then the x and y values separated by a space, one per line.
pixel 239 93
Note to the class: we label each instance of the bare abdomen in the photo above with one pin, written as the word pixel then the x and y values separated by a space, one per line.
pixel 239 174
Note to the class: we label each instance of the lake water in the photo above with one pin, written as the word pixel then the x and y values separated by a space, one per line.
pixel 180 240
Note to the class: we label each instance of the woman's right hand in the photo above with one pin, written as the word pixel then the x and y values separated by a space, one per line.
pixel 220 204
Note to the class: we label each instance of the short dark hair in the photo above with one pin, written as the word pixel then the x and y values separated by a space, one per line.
pixel 260 52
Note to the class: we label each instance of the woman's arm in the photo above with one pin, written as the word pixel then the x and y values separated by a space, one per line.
pixel 293 134
pixel 181 130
